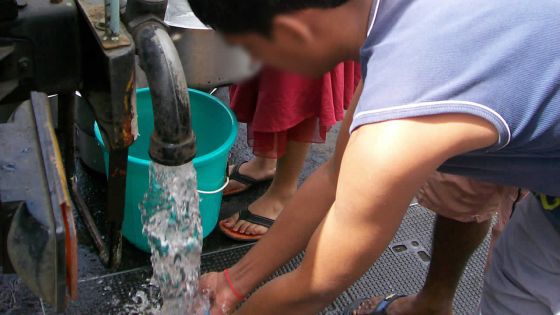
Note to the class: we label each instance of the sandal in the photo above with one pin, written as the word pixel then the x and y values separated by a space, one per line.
pixel 246 180
pixel 248 216
pixel 379 309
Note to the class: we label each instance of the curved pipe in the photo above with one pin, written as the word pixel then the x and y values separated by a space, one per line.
pixel 173 141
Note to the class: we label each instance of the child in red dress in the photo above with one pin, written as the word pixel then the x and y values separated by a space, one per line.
pixel 284 114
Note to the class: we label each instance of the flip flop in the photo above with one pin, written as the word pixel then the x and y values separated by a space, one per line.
pixel 380 308
pixel 248 216
pixel 247 181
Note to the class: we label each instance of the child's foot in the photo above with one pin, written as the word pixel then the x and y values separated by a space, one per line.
pixel 269 206
pixel 407 305
pixel 255 170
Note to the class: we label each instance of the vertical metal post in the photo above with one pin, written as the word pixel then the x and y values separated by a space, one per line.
pixel 116 189
pixel 112 19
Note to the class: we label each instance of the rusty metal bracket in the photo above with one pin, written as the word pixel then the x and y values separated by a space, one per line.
pixel 109 89
pixel 116 189
pixel 94 11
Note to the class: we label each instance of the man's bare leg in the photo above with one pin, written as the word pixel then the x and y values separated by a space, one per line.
pixel 454 243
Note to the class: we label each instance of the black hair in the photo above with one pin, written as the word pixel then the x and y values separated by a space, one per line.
pixel 242 16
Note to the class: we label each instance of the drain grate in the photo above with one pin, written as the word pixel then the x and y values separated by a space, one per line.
pixel 400 269
pixel 403 267
pixel 411 247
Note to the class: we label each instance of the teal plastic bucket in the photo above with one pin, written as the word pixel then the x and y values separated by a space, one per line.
pixel 215 127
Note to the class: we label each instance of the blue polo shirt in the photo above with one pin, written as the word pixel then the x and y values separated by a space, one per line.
pixel 498 59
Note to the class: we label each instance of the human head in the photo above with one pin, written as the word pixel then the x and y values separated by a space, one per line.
pixel 289 34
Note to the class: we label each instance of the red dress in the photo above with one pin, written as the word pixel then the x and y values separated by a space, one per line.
pixel 279 107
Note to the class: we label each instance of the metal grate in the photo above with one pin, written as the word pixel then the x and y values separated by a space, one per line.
pixel 397 270
pixel 401 272
pixel 404 273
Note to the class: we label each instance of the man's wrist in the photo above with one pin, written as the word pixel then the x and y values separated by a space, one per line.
pixel 243 278
pixel 238 295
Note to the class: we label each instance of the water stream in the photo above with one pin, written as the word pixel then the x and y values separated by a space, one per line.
pixel 171 219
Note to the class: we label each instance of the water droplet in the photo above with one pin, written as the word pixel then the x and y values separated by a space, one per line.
pixel 225 309
pixel 115 301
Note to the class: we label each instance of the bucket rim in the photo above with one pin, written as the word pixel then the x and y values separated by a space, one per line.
pixel 199 160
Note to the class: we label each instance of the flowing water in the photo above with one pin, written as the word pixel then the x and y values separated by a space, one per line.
pixel 171 219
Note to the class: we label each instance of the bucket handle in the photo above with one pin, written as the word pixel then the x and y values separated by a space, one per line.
pixel 202 192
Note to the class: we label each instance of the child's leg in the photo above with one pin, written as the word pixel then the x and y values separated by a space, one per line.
pixel 259 168
pixel 278 194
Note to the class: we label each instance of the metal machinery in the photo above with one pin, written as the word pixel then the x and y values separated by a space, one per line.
pixel 59 47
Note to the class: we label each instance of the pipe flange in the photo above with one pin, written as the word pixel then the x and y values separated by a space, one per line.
pixel 172 154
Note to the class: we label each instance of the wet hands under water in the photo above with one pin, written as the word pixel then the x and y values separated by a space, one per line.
pixel 222 299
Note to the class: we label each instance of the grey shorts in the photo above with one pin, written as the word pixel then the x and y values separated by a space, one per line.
pixel 524 277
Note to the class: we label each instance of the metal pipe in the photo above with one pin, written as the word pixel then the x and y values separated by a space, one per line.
pixel 173 141
pixel 112 19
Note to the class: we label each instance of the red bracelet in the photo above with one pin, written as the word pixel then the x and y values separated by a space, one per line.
pixel 238 295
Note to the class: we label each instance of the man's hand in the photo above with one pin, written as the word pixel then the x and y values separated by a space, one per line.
pixel 222 299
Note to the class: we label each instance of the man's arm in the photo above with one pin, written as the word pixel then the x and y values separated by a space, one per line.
pixel 293 228
pixel 382 168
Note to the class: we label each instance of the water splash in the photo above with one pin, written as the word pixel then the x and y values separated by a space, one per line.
pixel 171 219
pixel 146 301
